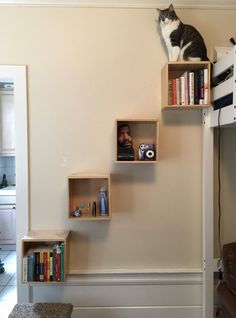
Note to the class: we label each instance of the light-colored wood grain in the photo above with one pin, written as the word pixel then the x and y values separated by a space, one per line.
pixel 172 70
pixel 39 238
pixel 142 131
pixel 85 189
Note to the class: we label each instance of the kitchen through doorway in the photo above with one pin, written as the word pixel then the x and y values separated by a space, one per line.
pixel 13 181
pixel 8 286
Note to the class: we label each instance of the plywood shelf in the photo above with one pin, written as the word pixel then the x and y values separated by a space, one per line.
pixel 187 107
pixel 143 131
pixel 83 194
pixel 174 70
pixel 45 257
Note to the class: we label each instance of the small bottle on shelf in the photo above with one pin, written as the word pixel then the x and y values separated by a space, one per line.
pixel 4 182
pixel 94 209
pixel 103 204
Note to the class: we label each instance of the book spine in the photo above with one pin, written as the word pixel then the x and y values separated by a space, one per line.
pixel 196 87
pixel 206 87
pixel 58 264
pixel 34 269
pixel 37 266
pixel 48 266
pixel 41 267
pixel 182 90
pixel 45 266
pixel 170 92
pixel 54 263
pixel 51 266
pixel 186 88
pixel 174 92
pixel 62 261
pixel 25 269
pixel 30 269
pixel 191 88
pixel 177 92
pixel 201 87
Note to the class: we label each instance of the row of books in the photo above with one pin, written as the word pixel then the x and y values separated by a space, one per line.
pixel 191 88
pixel 44 264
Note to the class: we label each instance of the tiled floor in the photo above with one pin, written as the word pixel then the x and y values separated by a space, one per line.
pixel 8 296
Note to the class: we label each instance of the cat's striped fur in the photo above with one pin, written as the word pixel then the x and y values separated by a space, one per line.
pixel 183 41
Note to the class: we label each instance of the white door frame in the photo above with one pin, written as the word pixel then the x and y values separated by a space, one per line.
pixel 207 216
pixel 17 74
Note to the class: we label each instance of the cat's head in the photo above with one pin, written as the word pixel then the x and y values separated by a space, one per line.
pixel 167 15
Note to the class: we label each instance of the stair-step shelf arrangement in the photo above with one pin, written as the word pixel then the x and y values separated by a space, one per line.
pixel 89 197
pixel 45 256
pixel 186 85
pixel 143 144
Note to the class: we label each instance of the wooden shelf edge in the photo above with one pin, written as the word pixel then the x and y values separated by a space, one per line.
pixel 137 120
pixel 44 283
pixel 46 235
pixel 189 62
pixel 91 218
pixel 78 175
pixel 187 107
pixel 137 161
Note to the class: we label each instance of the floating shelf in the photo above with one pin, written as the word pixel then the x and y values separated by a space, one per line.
pixel 45 257
pixel 143 131
pixel 83 193
pixel 173 70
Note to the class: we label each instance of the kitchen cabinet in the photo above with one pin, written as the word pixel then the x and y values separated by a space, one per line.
pixel 7 123
pixel 7 224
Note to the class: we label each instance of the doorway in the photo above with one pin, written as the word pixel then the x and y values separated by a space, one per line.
pixel 17 76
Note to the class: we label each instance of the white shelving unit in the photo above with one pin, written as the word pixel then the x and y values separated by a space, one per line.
pixel 226 117
pixel 227 113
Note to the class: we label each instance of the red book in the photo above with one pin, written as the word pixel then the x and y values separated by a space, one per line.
pixel 58 264
pixel 45 266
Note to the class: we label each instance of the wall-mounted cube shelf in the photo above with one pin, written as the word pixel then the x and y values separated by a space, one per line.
pixel 190 79
pixel 45 256
pixel 84 197
pixel 143 132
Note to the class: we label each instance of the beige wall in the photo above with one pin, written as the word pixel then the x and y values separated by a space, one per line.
pixel 87 67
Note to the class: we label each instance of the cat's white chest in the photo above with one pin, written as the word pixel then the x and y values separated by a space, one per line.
pixel 168 28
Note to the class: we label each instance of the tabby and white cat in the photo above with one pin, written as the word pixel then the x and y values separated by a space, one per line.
pixel 183 41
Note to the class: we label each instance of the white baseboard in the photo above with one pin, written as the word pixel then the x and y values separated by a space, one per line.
pixel 128 295
pixel 138 312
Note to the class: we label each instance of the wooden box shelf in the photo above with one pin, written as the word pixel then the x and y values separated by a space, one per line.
pixel 84 194
pixel 142 131
pixel 174 70
pixel 45 257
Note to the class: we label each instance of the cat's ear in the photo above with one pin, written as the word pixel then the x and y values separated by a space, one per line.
pixel 158 10
pixel 171 7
